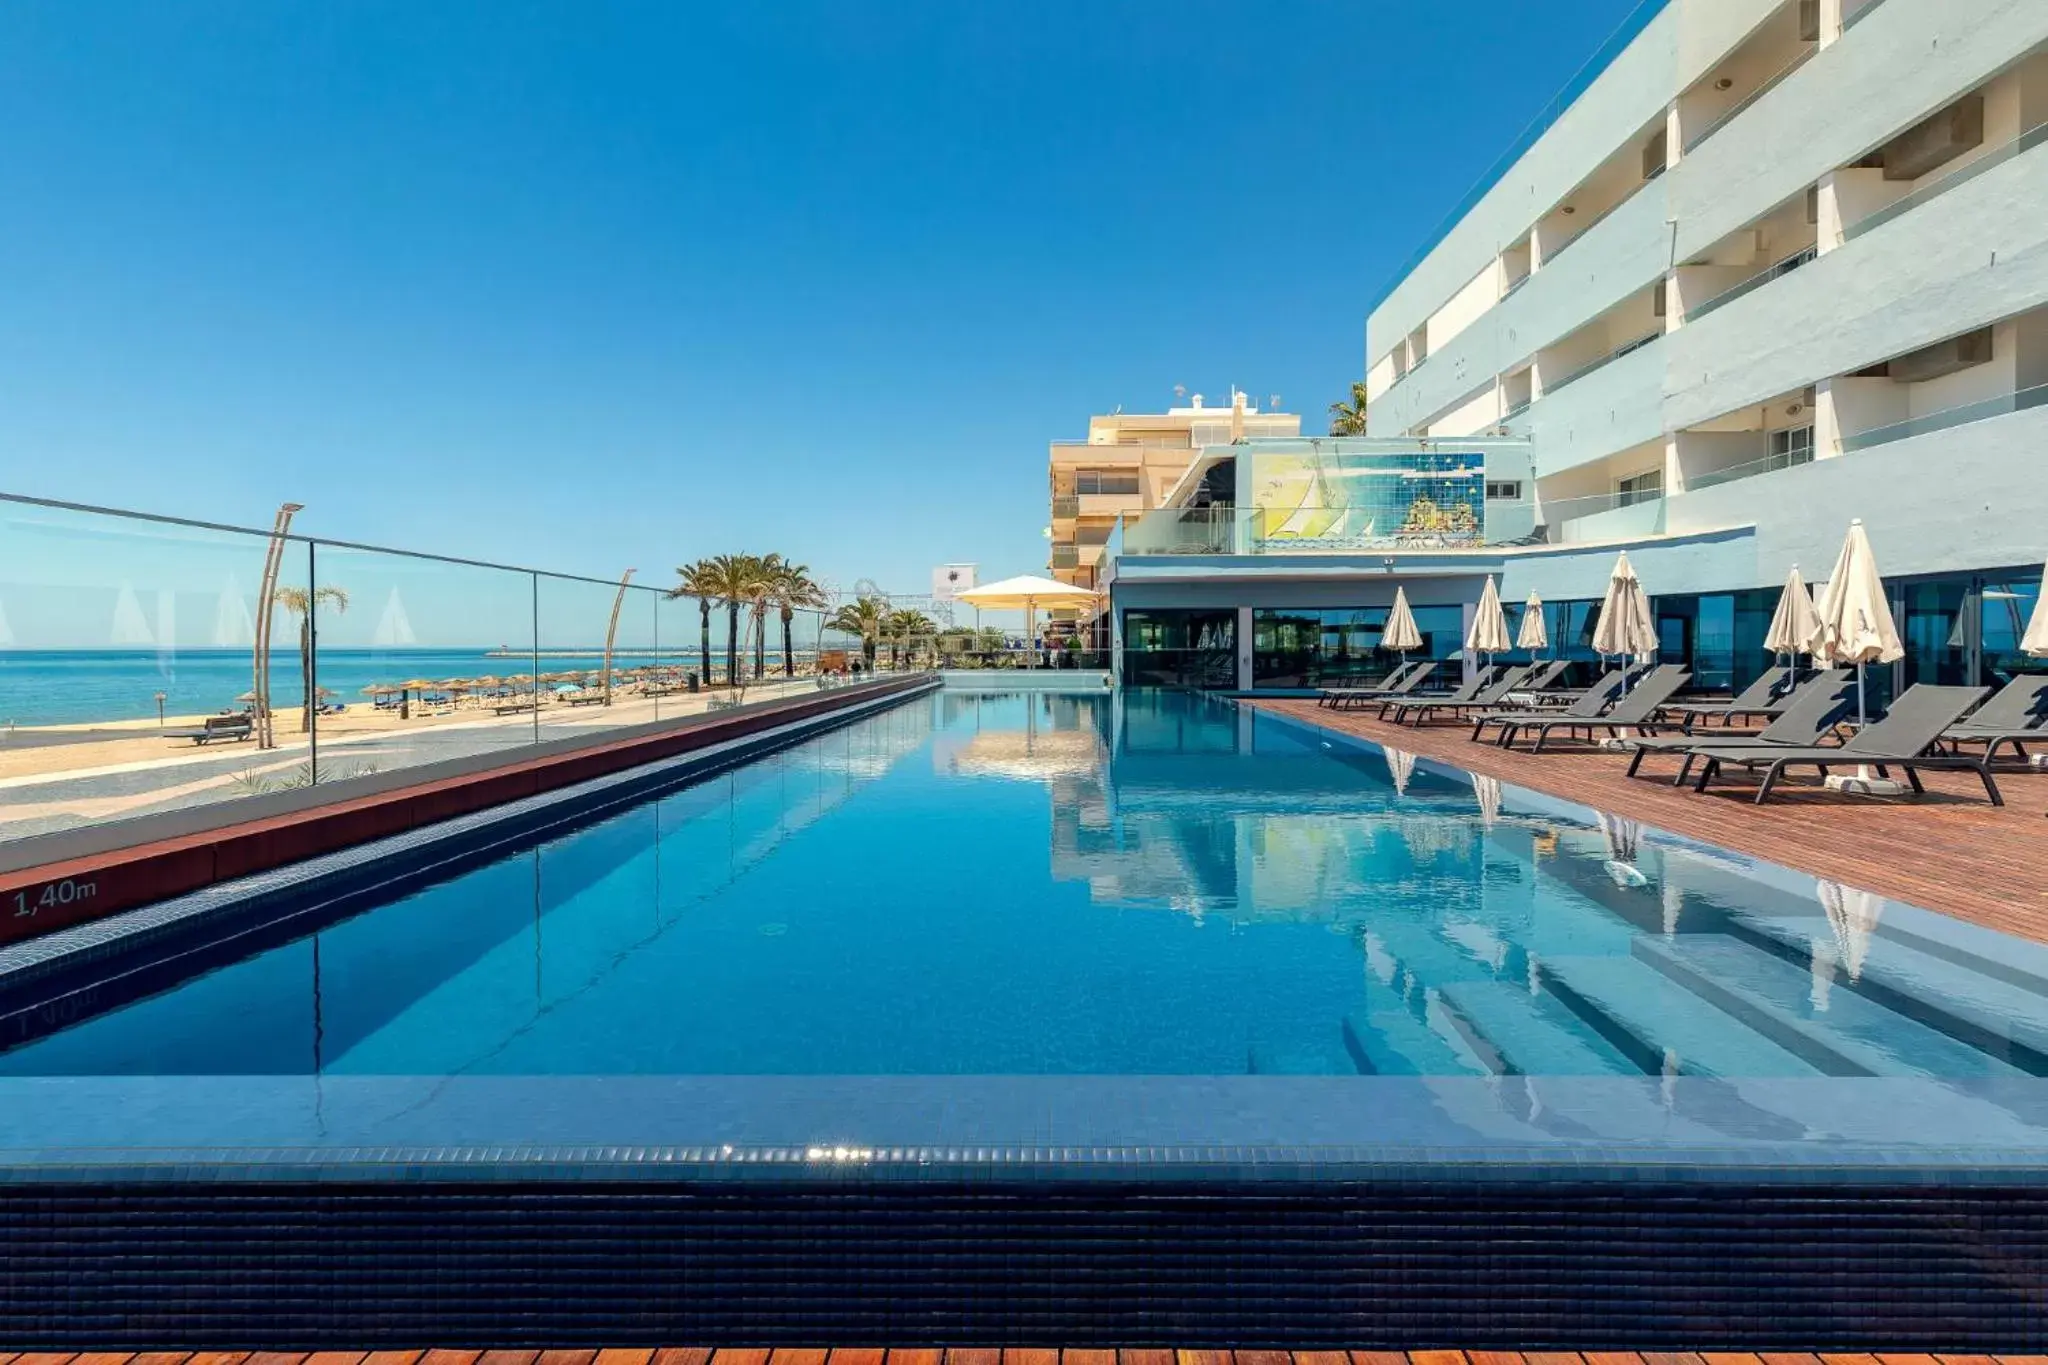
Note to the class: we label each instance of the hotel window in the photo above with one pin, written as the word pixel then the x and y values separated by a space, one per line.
pixel 1794 445
pixel 1647 486
pixel 1509 490
pixel 1092 481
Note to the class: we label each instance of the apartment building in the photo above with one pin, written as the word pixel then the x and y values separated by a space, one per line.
pixel 1131 463
pixel 1767 265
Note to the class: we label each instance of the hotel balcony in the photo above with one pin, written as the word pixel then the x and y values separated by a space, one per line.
pixel 1065 507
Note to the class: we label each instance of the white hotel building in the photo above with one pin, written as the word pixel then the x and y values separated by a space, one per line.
pixel 1768 265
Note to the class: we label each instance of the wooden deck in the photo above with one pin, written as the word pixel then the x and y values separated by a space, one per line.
pixel 986 1356
pixel 1949 850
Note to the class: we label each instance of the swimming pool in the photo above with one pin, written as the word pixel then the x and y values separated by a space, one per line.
pixel 1108 1017
pixel 1101 884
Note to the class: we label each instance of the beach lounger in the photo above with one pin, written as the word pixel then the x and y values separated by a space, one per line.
pixel 1543 678
pixel 1401 681
pixel 1565 696
pixel 1903 739
pixel 1635 709
pixel 2016 714
pixel 236 727
pixel 1815 708
pixel 1767 696
pixel 1590 702
pixel 1476 681
pixel 1400 709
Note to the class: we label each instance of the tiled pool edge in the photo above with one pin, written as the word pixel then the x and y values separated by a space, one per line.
pixel 1564 1265
pixel 422 853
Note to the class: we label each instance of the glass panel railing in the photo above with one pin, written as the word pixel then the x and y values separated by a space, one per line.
pixel 1948 417
pixel 420 660
pixel 1753 283
pixel 1962 175
pixel 1726 116
pixel 134 680
pixel 127 677
pixel 1748 470
pixel 1858 15
pixel 1595 221
pixel 1181 531
pixel 1617 353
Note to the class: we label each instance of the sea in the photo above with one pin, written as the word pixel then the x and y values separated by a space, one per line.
pixel 84 686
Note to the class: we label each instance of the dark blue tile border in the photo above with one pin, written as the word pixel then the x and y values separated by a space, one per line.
pixel 1563 1265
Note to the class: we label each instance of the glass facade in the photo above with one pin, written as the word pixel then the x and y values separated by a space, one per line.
pixel 1957 629
pixel 1180 648
pixel 1327 646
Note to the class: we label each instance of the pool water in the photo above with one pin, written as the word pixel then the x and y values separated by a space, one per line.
pixel 1102 884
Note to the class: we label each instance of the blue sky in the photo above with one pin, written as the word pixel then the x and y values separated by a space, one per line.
pixel 590 286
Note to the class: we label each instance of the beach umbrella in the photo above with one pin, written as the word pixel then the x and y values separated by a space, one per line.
pixel 1625 627
pixel 1794 623
pixel 1855 619
pixel 1401 634
pixel 2035 642
pixel 1532 636
pixel 1489 633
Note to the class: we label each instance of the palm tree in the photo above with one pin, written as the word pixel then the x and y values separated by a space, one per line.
pixel 864 619
pixel 903 628
pixel 699 581
pixel 300 605
pixel 763 571
pixel 794 588
pixel 1348 419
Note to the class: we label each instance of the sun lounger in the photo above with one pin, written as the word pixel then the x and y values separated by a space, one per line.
pixel 1401 681
pixel 1903 739
pixel 1476 681
pixel 236 727
pixel 1564 696
pixel 1767 696
pixel 1635 709
pixel 1588 703
pixel 1399 710
pixel 2016 714
pixel 1543 678
pixel 1815 708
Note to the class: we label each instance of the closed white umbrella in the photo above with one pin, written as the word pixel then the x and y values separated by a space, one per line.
pixel 1625 627
pixel 2035 642
pixel 1855 619
pixel 1401 633
pixel 1794 623
pixel 1489 633
pixel 1853 916
pixel 1533 635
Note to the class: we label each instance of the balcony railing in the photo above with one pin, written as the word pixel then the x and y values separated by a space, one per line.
pixel 1850 21
pixel 1594 364
pixel 2004 403
pixel 1753 283
pixel 1066 508
pixel 1595 221
pixel 1804 56
pixel 1066 556
pixel 1961 175
pixel 1749 470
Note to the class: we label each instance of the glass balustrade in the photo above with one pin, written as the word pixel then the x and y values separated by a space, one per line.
pixel 149 664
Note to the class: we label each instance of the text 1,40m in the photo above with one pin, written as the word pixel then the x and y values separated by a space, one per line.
pixel 51 896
